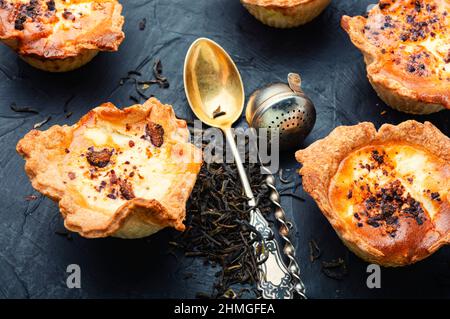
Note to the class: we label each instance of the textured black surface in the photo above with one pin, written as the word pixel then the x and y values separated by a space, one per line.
pixel 33 259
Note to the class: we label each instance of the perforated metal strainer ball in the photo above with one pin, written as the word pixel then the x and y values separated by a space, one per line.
pixel 285 108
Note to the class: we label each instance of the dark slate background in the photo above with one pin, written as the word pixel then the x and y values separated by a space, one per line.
pixel 33 259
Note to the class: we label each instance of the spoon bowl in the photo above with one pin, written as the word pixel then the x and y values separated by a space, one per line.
pixel 213 84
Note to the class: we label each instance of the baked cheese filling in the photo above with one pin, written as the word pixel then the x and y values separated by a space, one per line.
pixel 52 28
pixel 389 191
pixel 106 166
pixel 413 37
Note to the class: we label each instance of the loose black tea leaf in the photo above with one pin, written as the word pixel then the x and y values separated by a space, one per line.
pixel 188 275
pixel 40 124
pixel 141 85
pixel 202 295
pixel 216 115
pixel 65 234
pixel 335 269
pixel 218 228
pixel 31 197
pixel 133 72
pixel 134 99
pixel 150 82
pixel 282 179
pixel 157 69
pixel 157 73
pixel 142 24
pixel 69 114
pixel 218 112
pixel 17 109
pixel 314 251
pixel 66 104
pixel 143 63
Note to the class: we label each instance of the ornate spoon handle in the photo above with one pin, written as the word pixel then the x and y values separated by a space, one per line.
pixel 284 230
pixel 275 281
pixel 274 278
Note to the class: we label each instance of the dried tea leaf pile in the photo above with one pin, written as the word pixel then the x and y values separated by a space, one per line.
pixel 218 228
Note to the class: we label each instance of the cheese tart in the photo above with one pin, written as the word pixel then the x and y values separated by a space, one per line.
pixel 406 46
pixel 387 192
pixel 59 35
pixel 285 13
pixel 123 173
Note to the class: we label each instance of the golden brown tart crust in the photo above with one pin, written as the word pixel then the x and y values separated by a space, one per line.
pixel 125 173
pixel 285 13
pixel 278 3
pixel 406 46
pixel 58 30
pixel 387 192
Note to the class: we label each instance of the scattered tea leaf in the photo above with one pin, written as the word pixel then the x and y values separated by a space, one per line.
pixel 188 275
pixel 31 197
pixel 17 109
pixel 143 63
pixel 314 251
pixel 134 72
pixel 134 99
pixel 157 73
pixel 66 104
pixel 202 295
pixel 282 179
pixel 142 85
pixel 142 24
pixel 335 269
pixel 64 233
pixel 218 228
pixel 40 124
pixel 218 112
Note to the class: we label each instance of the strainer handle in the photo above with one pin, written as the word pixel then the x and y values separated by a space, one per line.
pixel 275 281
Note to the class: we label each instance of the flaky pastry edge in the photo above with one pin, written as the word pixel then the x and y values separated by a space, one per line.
pixel 74 55
pixel 285 13
pixel 41 149
pixel 320 162
pixel 278 3
pixel 392 92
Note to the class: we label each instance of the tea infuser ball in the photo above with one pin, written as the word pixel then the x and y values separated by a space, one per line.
pixel 285 108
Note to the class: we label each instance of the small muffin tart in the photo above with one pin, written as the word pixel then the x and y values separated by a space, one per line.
pixel 406 46
pixel 123 173
pixel 285 13
pixel 387 192
pixel 58 35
